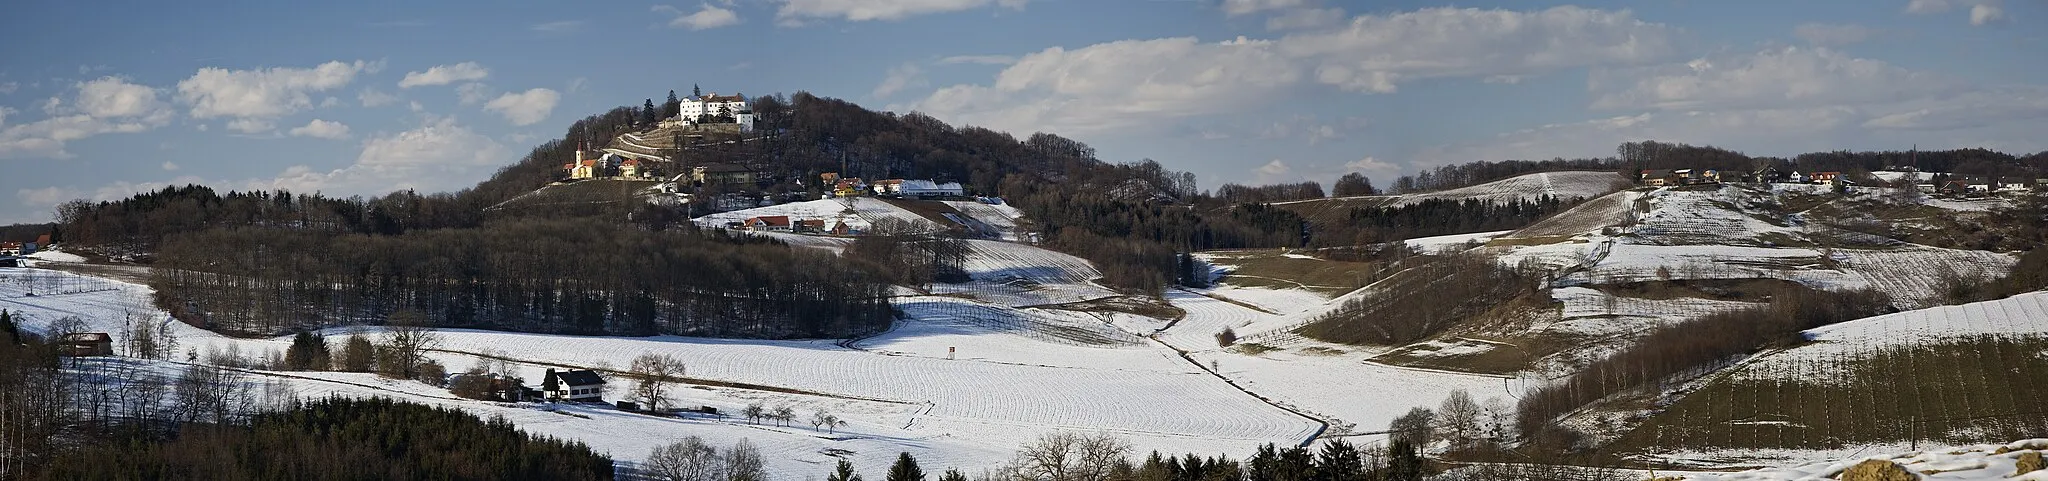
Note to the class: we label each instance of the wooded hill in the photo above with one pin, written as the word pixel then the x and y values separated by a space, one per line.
pixel 288 261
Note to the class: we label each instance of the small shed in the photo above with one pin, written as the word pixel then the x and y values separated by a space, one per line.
pixel 86 344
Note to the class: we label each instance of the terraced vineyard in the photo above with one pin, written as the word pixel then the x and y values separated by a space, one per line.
pixel 1955 374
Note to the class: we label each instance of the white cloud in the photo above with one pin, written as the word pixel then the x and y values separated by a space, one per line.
pixel 329 102
pixel 979 59
pixel 864 10
pixel 707 16
pixel 47 196
pixel 440 155
pixel 525 108
pixel 1772 78
pixel 1118 85
pixel 324 129
pixel 1306 18
pixel 559 26
pixel 268 92
pixel 1931 6
pixel 1373 167
pixel 250 126
pixel 2019 106
pixel 114 97
pixel 1374 53
pixel 900 77
pixel 1987 12
pixel 444 75
pixel 371 97
pixel 473 92
pixel 3 115
pixel 1275 171
pixel 168 165
pixel 104 106
pixel 1129 83
pixel 1823 34
pixel 9 87
pixel 1783 101
pixel 1241 7
pixel 1982 12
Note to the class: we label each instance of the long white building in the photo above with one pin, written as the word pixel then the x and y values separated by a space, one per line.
pixel 715 105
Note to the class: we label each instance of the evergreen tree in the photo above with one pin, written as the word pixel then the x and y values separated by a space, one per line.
pixel 1340 461
pixel 308 352
pixel 1403 463
pixel 647 113
pixel 7 327
pixel 953 475
pixel 905 469
pixel 843 472
pixel 696 92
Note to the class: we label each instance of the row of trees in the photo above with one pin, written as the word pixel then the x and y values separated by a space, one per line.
pixel 1695 347
pixel 569 276
pixel 1433 217
pixel 336 439
pixel 1422 301
pixel 1071 456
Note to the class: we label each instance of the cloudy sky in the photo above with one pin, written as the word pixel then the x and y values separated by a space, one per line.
pixel 100 99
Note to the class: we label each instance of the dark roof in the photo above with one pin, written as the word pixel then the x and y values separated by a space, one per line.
pixel 87 337
pixel 579 378
pixel 710 168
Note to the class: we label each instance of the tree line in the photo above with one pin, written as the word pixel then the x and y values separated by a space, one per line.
pixel 564 276
pixel 1696 346
pixel 337 439
pixel 1422 300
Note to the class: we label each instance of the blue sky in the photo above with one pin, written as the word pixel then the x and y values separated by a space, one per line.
pixel 101 99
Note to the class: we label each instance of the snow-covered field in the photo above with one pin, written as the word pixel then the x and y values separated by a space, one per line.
pixel 1021 275
pixel 999 220
pixel 1983 462
pixel 832 211
pixel 1016 374
pixel 1454 242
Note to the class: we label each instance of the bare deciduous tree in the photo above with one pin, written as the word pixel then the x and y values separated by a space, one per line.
pixel 406 343
pixel 1068 456
pixel 690 459
pixel 652 373
pixel 1459 416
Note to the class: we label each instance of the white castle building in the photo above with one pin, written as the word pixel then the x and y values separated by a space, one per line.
pixel 715 105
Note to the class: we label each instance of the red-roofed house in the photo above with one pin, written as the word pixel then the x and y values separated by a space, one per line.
pixel 767 223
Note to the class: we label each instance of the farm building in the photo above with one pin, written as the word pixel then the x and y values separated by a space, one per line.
pixel 86 344
pixel 578 385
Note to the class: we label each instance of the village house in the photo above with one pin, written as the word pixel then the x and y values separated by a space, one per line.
pixel 840 228
pixel 849 187
pixel 1660 178
pixel 575 386
pixel 630 168
pixel 1824 177
pixel 766 223
pixel 722 174
pixel 86 344
pixel 10 248
pixel 887 186
pixel 811 226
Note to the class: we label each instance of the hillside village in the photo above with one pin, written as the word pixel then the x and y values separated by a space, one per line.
pixel 1925 182
pixel 911 315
